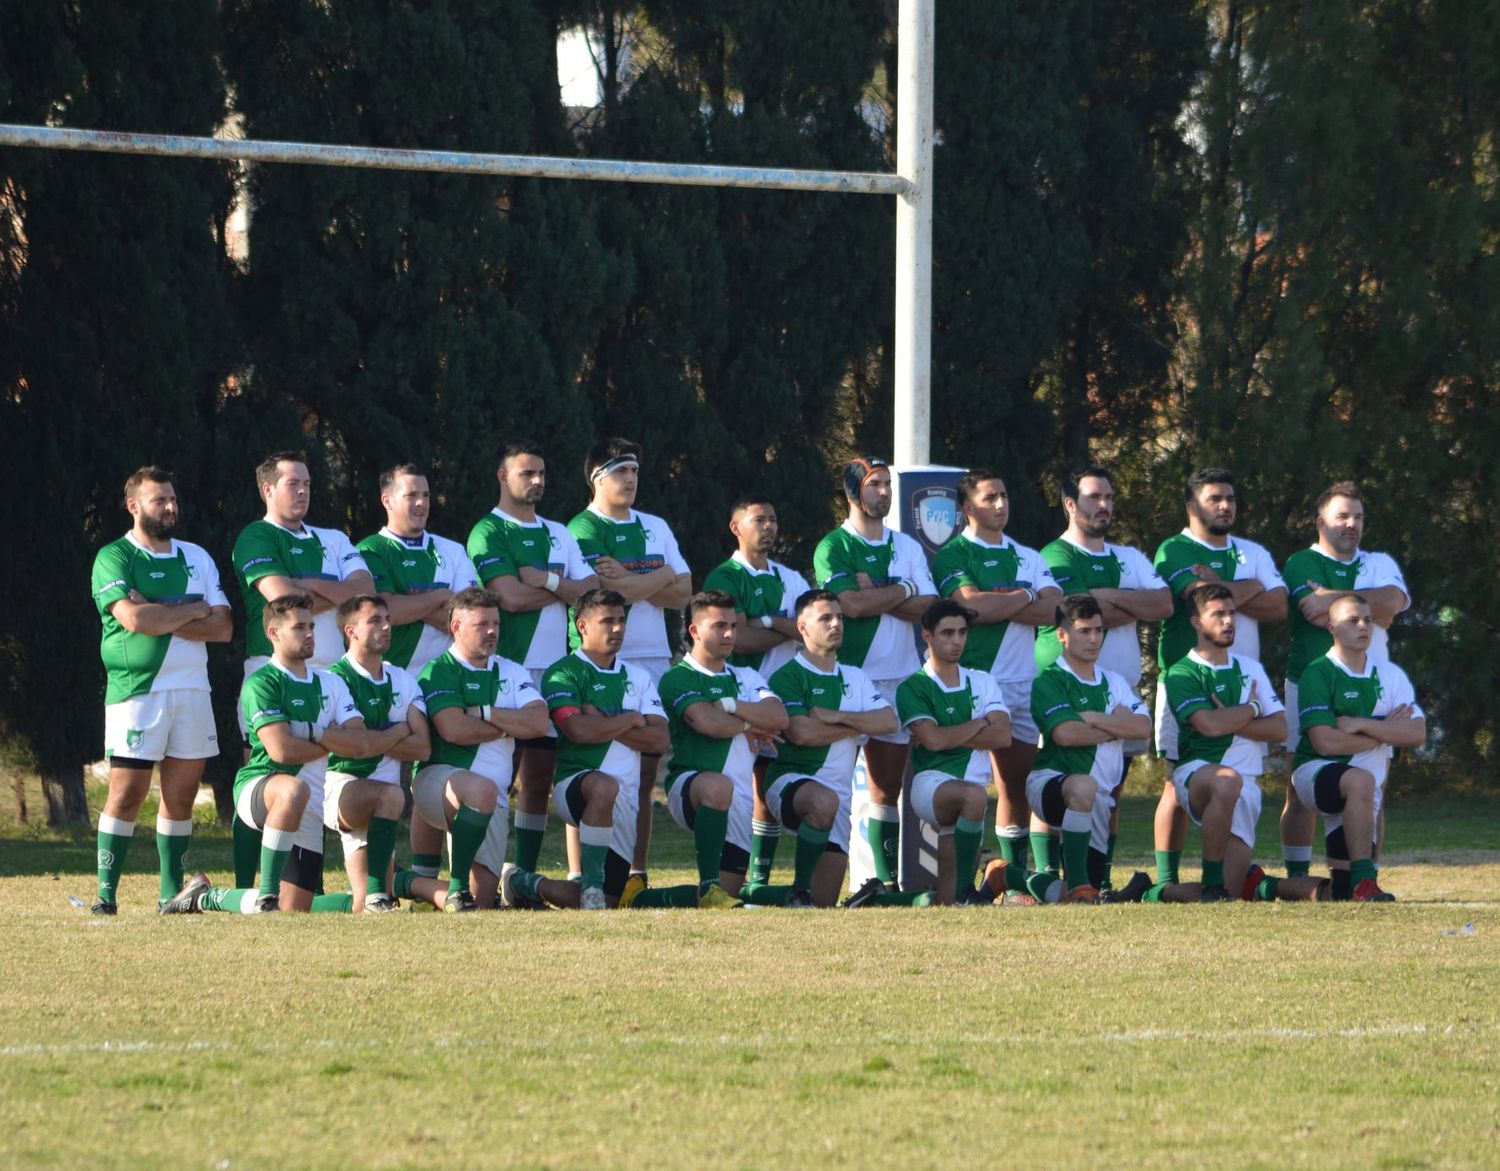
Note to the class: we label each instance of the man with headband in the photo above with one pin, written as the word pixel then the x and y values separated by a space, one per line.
pixel 636 555
pixel 884 586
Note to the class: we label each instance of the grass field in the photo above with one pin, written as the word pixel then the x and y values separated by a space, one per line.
pixel 1262 1036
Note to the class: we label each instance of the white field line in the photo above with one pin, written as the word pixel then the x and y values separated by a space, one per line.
pixel 779 1040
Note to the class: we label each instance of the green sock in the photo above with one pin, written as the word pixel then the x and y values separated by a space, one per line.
pixel 1011 848
pixel 469 828
pixel 883 832
pixel 333 904
pixel 1076 827
pixel 1267 889
pixel 426 865
pixel 1039 883
pixel 1167 862
pixel 529 828
pixel 275 849
pixel 760 894
pixel 1361 869
pixel 667 896
pixel 172 840
pixel 114 842
pixel 1154 894
pixel 764 836
pixel 525 883
pixel 709 827
pixel 594 848
pixel 1054 854
pixel 236 900
pixel 1298 860
pixel 967 836
pixel 380 844
pixel 1213 872
pixel 401 888
pixel 246 853
pixel 811 845
pixel 904 898
pixel 1041 851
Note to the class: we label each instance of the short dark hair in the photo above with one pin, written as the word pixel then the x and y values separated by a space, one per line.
pixel 148 474
pixel 747 500
pixel 812 598
pixel 391 475
pixel 265 471
pixel 518 447
pixel 706 600
pixel 1208 476
pixel 946 608
pixel 1346 488
pixel 1075 606
pixel 472 598
pixel 1074 478
pixel 606 450
pixel 971 480
pixel 349 610
pixel 595 599
pixel 1205 592
pixel 1351 596
pixel 277 609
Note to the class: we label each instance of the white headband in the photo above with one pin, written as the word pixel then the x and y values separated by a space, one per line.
pixel 604 469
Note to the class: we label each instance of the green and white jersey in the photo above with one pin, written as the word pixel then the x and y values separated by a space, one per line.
pixel 1328 689
pixel 642 543
pixel 576 680
pixel 801 687
pixel 1236 560
pixel 1058 695
pixel 1007 650
pixel 885 646
pixel 923 696
pixel 1078 570
pixel 405 565
pixel 1362 571
pixel 273 695
pixel 265 549
pixel 758 592
pixel 382 703
pixel 138 664
pixel 448 681
pixel 500 545
pixel 688 682
pixel 1190 683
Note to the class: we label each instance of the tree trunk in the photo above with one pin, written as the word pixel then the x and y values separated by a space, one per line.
pixel 18 784
pixel 67 803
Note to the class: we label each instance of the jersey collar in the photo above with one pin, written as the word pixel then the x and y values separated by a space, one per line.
pixel 885 534
pixel 931 673
pixel 1098 672
pixel 702 670
pixel 1109 550
pixel 807 666
pixel 588 662
pixel 1353 557
pixel 1347 670
pixel 360 671
pixel 1005 541
pixel 740 559
pixel 633 518
pixel 1227 546
pixel 389 534
pixel 312 672
pixel 539 523
pixel 1202 662
pixel 170 553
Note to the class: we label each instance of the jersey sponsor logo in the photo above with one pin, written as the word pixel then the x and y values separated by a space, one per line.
pixel 267 713
pixel 156 575
pixel 408 565
pixel 1351 695
pixel 254 561
pixel 934 511
pixel 117 584
pixel 439 692
pixel 1057 707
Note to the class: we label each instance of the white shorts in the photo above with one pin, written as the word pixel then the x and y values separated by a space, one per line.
pixel 427 794
pixel 887 689
pixel 741 810
pixel 627 802
pixel 1102 810
pixel 1017 696
pixel 177 723
pixel 1246 809
pixel 1166 725
pixel 252 665
pixel 491 853
pixel 1293 723
pixel 924 787
pixel 1304 780
pixel 250 807
pixel 839 834
pixel 333 788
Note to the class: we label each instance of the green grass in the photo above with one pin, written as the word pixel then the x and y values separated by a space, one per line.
pixel 1261 1036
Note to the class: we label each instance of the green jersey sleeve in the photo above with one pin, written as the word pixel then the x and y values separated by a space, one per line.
pixel 262 703
pixel 1050 703
pixel 256 555
pixel 833 567
pixel 679 690
pixel 950 568
pixel 723 577
pixel 790 685
pixel 111 576
pixel 560 687
pixel 1186 691
pixel 914 701
pixel 1315 696
pixel 490 551
pixel 377 553
pixel 440 685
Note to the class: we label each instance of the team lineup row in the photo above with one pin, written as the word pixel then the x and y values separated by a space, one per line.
pixel 536 660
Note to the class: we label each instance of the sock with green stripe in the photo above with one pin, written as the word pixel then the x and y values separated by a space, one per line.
pixel 275 849
pixel 1076 827
pixel 593 843
pixel 246 853
pixel 526 883
pixel 401 888
pixel 883 832
pixel 172 840
pixel 113 844
pixel 426 865
pixel 764 836
pixel 1361 869
pixel 709 827
pixel 1041 852
pixel 968 833
pixel 1012 842
pixel 530 828
pixel 812 843
pixel 666 896
pixel 1267 889
pixel 333 904
pixel 380 844
pixel 234 900
pixel 904 898
pixel 1044 886
pixel 1298 860
pixel 1153 895
pixel 1213 872
pixel 469 828
pixel 1167 864
pixel 761 894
